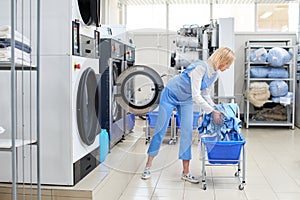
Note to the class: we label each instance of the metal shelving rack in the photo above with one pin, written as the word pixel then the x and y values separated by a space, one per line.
pixel 290 67
pixel 12 144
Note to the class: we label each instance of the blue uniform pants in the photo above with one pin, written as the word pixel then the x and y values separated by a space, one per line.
pixel 168 102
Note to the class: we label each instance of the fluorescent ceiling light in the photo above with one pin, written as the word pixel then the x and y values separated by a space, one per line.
pixel 266 15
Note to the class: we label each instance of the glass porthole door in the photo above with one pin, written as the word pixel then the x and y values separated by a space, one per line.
pixel 138 89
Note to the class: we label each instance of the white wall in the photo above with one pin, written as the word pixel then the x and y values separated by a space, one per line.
pixel 110 12
pixel 226 39
pixel 153 48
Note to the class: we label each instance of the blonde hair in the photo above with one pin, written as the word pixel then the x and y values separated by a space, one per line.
pixel 222 55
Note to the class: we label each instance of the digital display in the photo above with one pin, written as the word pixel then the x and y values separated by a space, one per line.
pixel 75 38
pixel 97 43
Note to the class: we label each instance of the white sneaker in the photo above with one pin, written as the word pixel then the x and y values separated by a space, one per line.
pixel 189 178
pixel 146 174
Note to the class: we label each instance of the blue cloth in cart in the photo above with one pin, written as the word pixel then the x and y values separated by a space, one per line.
pixel 278 56
pixel 226 131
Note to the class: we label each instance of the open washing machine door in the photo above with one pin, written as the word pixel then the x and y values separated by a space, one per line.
pixel 138 89
pixel 87 106
pixel 90 11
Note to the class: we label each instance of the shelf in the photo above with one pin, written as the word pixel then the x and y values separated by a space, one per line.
pixel 269 123
pixel 266 64
pixel 6 65
pixel 267 47
pixel 270 101
pixel 6 144
pixel 289 67
pixel 270 79
pixel 268 41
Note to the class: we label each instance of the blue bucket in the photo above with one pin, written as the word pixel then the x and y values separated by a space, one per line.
pixel 223 152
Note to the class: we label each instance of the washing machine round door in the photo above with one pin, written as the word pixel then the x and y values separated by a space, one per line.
pixel 89 11
pixel 87 106
pixel 138 89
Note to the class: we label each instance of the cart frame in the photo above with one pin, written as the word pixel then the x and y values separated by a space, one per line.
pixel 205 162
pixel 240 161
pixel 172 126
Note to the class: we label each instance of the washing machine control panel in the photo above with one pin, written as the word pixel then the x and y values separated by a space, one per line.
pixel 117 50
pixel 129 54
pixel 75 38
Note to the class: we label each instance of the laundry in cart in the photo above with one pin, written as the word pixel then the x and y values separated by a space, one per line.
pixel 230 126
pixel 221 144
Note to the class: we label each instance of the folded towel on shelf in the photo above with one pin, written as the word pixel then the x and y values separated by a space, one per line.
pixel 5 28
pixel 5 32
pixel 258 93
pixel 2 130
pixel 21 57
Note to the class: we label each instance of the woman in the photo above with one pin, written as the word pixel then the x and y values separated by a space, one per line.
pixel 192 85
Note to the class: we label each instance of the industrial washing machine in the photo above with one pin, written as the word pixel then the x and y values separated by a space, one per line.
pixel 70 96
pixel 111 66
pixel 70 91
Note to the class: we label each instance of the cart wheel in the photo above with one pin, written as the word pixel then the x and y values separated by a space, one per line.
pixel 204 186
pixel 172 141
pixel 147 140
pixel 237 174
pixel 241 186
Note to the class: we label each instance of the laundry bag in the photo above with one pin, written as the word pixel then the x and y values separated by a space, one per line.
pixel 259 72
pixel 278 72
pixel 258 55
pixel 278 56
pixel 278 88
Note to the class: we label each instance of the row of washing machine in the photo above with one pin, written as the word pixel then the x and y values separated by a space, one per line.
pixel 87 83
pixel 72 91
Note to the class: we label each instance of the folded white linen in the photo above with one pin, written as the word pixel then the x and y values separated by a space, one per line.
pixel 5 32
pixel 21 57
pixel 6 52
pixel 17 61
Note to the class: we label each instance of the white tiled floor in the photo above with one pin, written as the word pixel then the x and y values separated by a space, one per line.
pixel 272 170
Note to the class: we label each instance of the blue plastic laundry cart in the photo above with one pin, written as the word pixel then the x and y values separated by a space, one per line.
pixel 151 119
pixel 215 153
pixel 174 124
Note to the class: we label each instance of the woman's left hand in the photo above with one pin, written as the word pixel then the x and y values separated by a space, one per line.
pixel 217 116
